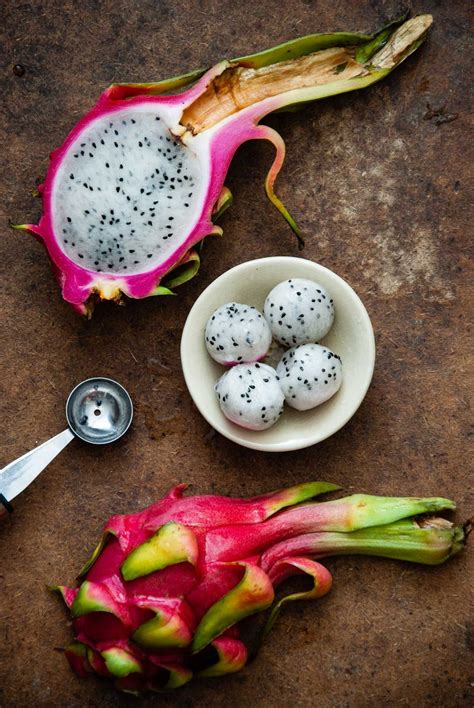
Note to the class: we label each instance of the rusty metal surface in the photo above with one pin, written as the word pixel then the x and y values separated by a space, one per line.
pixel 379 183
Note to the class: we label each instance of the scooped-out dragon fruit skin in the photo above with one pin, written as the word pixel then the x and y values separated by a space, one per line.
pixel 118 218
pixel 161 599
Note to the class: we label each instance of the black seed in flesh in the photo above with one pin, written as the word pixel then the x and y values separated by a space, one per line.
pixel 82 193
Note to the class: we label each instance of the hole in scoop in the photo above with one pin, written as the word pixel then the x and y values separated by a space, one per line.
pixel 97 411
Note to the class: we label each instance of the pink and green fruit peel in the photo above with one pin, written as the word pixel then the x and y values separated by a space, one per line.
pixel 162 598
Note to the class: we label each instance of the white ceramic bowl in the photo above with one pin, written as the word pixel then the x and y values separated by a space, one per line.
pixel 351 336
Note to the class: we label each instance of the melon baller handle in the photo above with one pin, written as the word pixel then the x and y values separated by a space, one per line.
pixel 21 472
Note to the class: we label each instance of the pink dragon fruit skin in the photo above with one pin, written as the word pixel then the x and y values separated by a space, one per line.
pixel 161 600
pixel 205 146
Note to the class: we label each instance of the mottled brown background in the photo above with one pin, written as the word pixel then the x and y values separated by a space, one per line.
pixel 382 196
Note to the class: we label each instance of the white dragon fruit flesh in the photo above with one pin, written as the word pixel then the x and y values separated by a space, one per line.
pixel 309 375
pixel 250 396
pixel 139 181
pixel 237 334
pixel 299 311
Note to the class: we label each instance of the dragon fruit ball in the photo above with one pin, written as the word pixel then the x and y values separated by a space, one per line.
pixel 299 311
pixel 249 395
pixel 309 375
pixel 237 334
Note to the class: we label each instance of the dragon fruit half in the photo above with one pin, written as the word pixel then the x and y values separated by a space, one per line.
pixel 139 181
pixel 162 598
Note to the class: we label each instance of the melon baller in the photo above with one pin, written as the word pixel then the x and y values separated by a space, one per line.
pixel 98 411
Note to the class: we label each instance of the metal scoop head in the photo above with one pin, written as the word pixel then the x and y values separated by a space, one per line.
pixel 99 411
